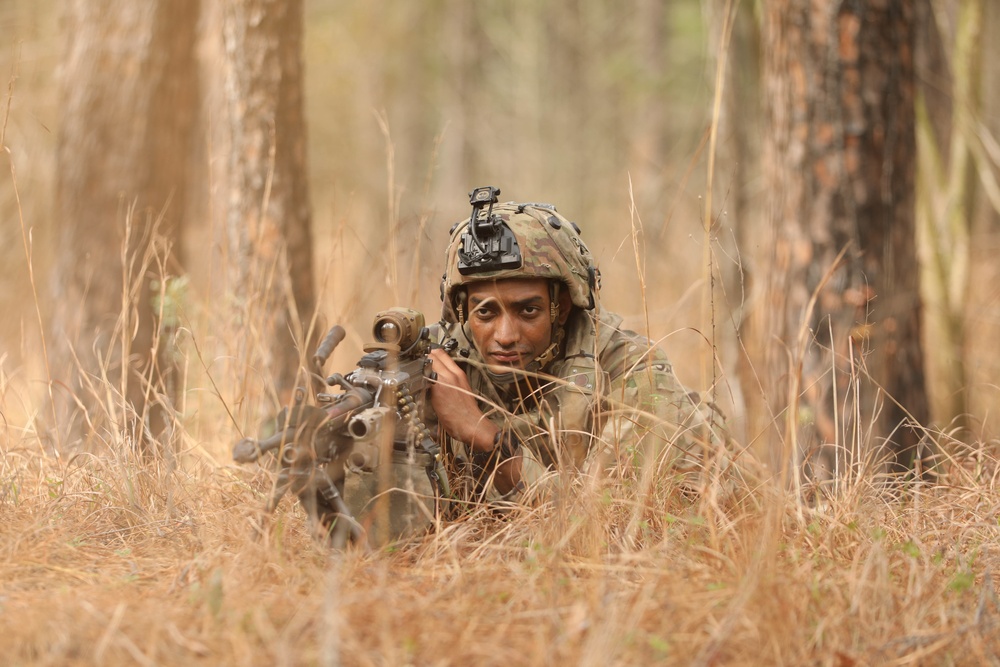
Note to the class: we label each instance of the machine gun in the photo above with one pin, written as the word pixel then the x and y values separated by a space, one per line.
pixel 378 419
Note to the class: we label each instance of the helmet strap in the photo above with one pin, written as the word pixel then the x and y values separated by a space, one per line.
pixel 558 332
pixel 459 303
pixel 550 353
pixel 554 305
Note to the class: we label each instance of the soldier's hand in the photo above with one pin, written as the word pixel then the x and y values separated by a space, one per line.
pixel 456 406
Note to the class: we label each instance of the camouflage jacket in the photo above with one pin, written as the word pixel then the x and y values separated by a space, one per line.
pixel 611 398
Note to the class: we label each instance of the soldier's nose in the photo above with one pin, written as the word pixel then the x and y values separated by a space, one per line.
pixel 506 331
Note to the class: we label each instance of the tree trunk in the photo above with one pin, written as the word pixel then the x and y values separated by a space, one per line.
pixel 839 155
pixel 948 110
pixel 268 219
pixel 648 112
pixel 739 127
pixel 982 326
pixel 128 100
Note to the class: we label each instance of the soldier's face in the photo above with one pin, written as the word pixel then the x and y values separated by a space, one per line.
pixel 510 320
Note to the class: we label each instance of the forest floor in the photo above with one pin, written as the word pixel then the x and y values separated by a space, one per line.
pixel 107 560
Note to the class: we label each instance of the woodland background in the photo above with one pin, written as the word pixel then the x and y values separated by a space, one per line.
pixel 798 200
pixel 396 112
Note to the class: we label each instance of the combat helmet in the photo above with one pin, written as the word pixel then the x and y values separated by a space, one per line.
pixel 515 240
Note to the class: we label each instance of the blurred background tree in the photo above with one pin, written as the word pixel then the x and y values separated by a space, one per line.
pixel 980 322
pixel 958 197
pixel 267 212
pixel 605 109
pixel 127 111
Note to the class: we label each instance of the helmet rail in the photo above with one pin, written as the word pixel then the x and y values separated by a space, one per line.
pixel 515 240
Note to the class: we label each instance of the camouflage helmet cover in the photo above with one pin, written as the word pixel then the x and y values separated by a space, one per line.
pixel 550 247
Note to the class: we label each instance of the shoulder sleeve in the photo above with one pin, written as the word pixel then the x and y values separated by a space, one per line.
pixel 649 414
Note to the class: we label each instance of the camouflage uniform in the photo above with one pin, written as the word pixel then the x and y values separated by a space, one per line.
pixel 601 395
pixel 612 398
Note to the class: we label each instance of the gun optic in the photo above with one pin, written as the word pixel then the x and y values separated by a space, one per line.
pixel 397 329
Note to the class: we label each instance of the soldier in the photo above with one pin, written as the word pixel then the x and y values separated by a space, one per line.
pixel 543 379
pixel 527 375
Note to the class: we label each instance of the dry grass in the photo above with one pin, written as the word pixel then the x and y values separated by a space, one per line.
pixel 109 558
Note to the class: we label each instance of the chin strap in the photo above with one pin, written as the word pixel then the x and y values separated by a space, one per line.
pixel 459 306
pixel 558 332
pixel 550 353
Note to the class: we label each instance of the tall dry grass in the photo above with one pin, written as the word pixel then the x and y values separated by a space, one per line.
pixel 109 557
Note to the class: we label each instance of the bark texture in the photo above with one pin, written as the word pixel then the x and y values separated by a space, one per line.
pixel 268 218
pixel 839 156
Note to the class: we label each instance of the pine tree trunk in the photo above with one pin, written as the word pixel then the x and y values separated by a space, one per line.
pixel 268 218
pixel 839 160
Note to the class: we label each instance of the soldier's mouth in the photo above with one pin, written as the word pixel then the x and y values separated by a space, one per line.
pixel 505 358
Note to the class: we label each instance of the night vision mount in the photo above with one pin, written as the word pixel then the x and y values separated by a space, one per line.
pixel 488 244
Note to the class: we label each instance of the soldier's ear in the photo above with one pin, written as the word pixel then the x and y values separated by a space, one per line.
pixel 565 306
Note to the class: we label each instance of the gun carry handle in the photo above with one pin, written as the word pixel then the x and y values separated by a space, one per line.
pixel 326 347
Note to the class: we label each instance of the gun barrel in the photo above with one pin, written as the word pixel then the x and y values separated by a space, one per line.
pixel 367 423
